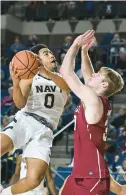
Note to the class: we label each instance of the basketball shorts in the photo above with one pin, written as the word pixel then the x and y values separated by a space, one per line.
pixel 34 137
pixel 84 186
pixel 33 192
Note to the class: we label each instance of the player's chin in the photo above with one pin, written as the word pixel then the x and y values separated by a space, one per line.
pixel 88 83
pixel 53 65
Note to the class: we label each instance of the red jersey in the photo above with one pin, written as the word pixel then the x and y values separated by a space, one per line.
pixel 89 144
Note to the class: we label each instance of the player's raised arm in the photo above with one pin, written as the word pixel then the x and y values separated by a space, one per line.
pixel 85 93
pixel 59 81
pixel 56 78
pixel 86 65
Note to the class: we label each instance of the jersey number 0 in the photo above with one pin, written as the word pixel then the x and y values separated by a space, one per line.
pixel 49 100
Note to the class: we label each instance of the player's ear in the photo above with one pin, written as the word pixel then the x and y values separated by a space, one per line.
pixel 105 84
pixel 39 61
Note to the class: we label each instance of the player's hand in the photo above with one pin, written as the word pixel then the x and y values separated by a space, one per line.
pixel 123 190
pixel 14 75
pixel 84 39
pixel 87 46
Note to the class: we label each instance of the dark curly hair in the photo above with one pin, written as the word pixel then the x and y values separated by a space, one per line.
pixel 35 49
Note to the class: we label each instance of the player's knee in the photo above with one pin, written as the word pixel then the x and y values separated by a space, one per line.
pixel 6 144
pixel 33 182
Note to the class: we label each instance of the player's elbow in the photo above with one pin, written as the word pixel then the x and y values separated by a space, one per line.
pixel 20 105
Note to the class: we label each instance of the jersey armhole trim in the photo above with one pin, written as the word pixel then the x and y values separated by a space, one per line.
pixel 43 77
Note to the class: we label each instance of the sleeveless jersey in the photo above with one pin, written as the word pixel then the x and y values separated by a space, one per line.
pixel 89 144
pixel 46 99
pixel 23 173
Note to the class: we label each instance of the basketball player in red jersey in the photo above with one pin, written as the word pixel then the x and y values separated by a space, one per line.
pixel 90 174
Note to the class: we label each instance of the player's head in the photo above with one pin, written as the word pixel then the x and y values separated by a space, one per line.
pixel 106 82
pixel 47 57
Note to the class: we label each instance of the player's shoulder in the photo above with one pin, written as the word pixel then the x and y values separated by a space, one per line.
pixel 58 74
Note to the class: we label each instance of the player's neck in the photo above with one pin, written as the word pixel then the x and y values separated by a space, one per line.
pixel 44 74
pixel 100 93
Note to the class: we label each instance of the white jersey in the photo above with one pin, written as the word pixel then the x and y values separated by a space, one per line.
pixel 46 99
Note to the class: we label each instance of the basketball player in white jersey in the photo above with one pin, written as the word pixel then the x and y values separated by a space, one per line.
pixel 41 101
pixel 21 171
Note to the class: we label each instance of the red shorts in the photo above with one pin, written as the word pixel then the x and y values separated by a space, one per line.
pixel 81 186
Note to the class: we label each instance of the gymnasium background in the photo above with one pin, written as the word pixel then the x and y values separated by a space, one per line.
pixel 56 23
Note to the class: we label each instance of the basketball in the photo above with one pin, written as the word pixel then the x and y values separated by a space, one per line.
pixel 26 62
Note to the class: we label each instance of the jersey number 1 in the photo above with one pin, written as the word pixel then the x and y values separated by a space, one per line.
pixel 49 100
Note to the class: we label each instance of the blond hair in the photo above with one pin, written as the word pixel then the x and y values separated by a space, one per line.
pixel 114 80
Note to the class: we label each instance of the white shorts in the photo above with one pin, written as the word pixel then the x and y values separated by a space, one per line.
pixel 33 192
pixel 35 137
